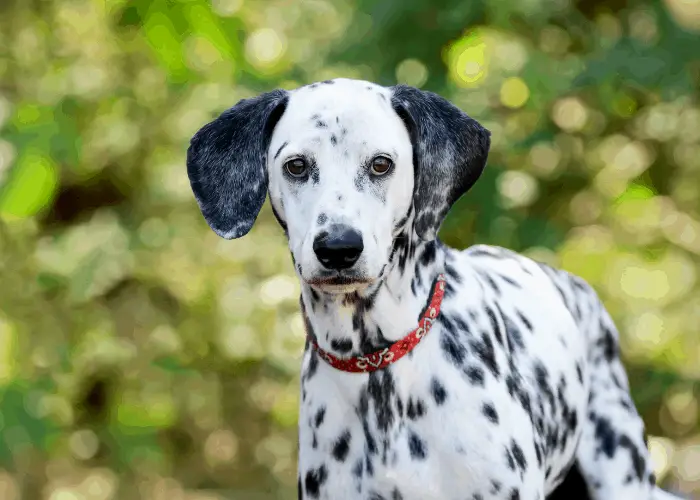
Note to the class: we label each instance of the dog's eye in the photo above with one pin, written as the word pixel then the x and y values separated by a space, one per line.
pixel 381 165
pixel 296 167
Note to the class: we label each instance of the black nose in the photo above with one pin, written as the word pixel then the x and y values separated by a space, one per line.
pixel 338 249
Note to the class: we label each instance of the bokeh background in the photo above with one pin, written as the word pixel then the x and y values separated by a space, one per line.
pixel 143 357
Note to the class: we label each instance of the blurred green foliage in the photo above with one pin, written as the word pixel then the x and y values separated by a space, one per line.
pixel 143 357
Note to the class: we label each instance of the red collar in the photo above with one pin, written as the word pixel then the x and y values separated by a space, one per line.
pixel 381 359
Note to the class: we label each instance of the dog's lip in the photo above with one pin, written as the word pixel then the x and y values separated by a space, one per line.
pixel 338 280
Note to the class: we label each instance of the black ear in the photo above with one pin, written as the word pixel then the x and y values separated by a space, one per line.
pixel 449 153
pixel 226 163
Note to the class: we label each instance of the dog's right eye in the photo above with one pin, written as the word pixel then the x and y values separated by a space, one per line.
pixel 296 167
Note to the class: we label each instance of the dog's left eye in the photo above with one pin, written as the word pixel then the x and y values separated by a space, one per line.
pixel 296 167
pixel 381 165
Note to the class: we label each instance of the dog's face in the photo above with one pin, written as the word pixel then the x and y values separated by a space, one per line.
pixel 340 168
pixel 349 167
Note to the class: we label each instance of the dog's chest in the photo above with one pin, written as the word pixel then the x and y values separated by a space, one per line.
pixel 485 405
pixel 409 432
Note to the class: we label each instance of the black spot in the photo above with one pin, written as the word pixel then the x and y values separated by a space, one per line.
pixel 416 447
pixel 438 390
pixel 334 140
pixel 514 494
pixel 342 346
pixel 579 373
pixel 322 219
pixel 542 379
pixel 313 365
pixel 487 278
pixel 513 333
pixel 380 388
pixel 486 352
pixel 509 281
pixel 342 447
pixel 368 465
pixel 495 327
pixel 328 82
pixel 524 320
pixel 518 455
pixel 510 460
pixel 428 255
pixel 396 495
pixel 605 435
pixel 538 454
pixel 453 349
pixel 314 480
pixel 415 410
pixel 638 461
pixel 357 468
pixel 475 375
pixel 452 274
pixel 320 415
pixel 490 412
pixel 321 124
pixel 400 223
pixel 608 344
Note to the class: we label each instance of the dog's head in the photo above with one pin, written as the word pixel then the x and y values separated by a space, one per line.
pixel 349 166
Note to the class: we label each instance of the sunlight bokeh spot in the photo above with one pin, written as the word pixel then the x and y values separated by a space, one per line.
pixel 226 7
pixel 8 353
pixel 265 47
pixel 661 451
pixel 278 289
pixel 640 283
pixel 84 444
pixel 570 114
pixel 221 447
pixel 517 188
pixel 544 158
pixel 509 54
pixel 412 72
pixel 514 92
pixel 467 60
pixel 685 12
pixel 30 185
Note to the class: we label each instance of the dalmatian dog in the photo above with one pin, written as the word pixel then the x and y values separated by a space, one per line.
pixel 428 372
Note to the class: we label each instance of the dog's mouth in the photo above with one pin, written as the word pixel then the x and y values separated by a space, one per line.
pixel 339 283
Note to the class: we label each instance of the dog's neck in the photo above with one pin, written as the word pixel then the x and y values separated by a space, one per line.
pixel 362 323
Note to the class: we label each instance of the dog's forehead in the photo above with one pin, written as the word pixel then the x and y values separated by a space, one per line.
pixel 341 102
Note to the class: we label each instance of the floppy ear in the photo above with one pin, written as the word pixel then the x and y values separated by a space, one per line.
pixel 226 163
pixel 449 153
